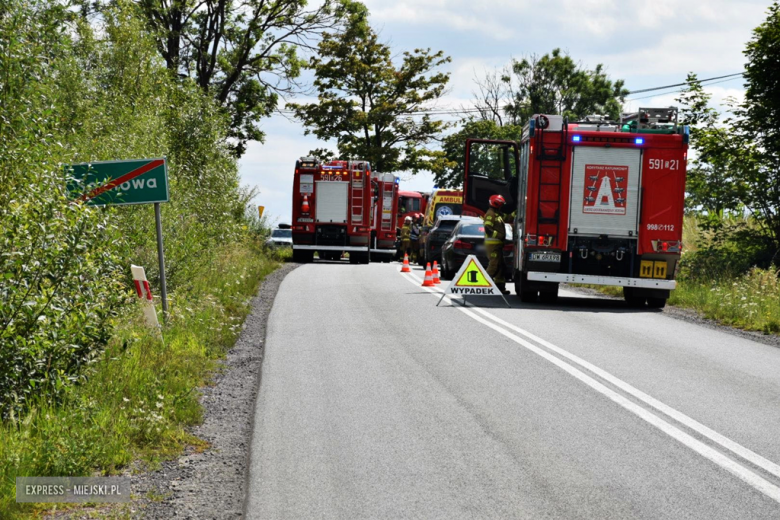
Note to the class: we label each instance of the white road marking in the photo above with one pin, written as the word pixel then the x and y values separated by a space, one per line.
pixel 738 470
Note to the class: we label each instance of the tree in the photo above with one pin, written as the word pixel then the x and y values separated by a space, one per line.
pixel 375 109
pixel 243 53
pixel 506 98
pixel 549 84
pixel 738 167
pixel 448 173
pixel 710 185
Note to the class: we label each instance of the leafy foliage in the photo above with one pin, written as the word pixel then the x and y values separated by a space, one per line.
pixel 71 91
pixel 449 173
pixel 242 53
pixel 550 84
pixel 505 99
pixel 738 165
pixel 377 110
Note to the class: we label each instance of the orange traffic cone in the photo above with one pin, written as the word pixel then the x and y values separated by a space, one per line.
pixel 405 268
pixel 428 282
pixel 305 204
pixel 436 272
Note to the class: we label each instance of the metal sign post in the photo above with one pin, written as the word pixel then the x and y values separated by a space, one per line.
pixel 119 183
pixel 161 259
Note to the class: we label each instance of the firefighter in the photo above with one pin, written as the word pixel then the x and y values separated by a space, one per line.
pixel 405 236
pixel 495 233
pixel 414 237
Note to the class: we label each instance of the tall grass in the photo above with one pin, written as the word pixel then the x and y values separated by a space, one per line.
pixel 143 392
pixel 750 301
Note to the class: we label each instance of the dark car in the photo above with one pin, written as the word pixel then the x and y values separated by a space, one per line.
pixel 434 238
pixel 468 238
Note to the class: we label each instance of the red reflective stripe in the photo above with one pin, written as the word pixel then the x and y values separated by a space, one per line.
pixel 148 290
pixel 121 180
pixel 138 288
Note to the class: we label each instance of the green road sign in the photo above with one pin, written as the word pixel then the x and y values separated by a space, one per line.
pixel 138 181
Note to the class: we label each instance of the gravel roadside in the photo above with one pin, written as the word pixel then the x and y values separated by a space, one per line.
pixel 693 316
pixel 212 484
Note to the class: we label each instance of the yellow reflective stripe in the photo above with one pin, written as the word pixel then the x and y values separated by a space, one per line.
pixel 493 241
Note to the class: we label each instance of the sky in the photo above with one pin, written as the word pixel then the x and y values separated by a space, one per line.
pixel 647 43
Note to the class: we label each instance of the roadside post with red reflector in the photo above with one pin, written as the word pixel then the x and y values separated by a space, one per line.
pixel 144 293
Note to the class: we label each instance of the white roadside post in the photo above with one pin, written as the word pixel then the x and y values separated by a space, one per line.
pixel 145 295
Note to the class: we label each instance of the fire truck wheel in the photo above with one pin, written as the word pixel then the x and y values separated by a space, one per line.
pixel 521 288
pixel 303 257
pixel 656 303
pixel 550 296
pixel 631 299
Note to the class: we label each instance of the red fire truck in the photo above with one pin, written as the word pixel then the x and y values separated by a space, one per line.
pixel 410 203
pixel 598 202
pixel 331 205
pixel 383 232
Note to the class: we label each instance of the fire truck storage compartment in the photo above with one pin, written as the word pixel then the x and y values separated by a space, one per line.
pixel 604 191
pixel 331 202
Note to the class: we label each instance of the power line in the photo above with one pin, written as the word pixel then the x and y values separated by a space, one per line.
pixel 475 110
pixel 676 91
pixel 683 84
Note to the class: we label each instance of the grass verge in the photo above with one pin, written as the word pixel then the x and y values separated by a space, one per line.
pixel 143 392
pixel 750 301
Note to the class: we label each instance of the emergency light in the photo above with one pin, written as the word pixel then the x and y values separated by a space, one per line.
pixel 577 138
pixel 639 140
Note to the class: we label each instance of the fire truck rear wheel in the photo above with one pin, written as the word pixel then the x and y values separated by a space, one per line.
pixel 302 257
pixel 521 288
pixel 549 296
pixel 631 299
pixel 656 303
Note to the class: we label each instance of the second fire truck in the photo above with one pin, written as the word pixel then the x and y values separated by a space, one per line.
pixel 598 202
pixel 331 210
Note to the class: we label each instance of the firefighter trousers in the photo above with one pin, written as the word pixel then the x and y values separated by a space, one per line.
pixel 406 247
pixel 495 268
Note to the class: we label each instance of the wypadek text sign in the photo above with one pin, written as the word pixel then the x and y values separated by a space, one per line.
pixel 472 280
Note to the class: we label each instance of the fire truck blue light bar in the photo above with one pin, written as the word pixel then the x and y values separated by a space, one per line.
pixel 576 138
pixel 639 140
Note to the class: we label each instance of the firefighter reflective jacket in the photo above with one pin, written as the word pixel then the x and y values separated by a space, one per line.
pixel 405 232
pixel 495 231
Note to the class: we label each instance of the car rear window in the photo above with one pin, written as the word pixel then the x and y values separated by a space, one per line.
pixel 282 233
pixel 447 225
pixel 479 229
pixel 472 229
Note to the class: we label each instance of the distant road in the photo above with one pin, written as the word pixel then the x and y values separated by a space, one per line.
pixel 374 403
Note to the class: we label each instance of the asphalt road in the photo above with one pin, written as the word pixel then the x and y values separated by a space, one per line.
pixel 374 403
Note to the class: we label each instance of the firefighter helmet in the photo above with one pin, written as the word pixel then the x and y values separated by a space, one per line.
pixel 408 219
pixel 496 201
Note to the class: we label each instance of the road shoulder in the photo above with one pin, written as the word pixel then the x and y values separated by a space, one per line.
pixel 212 483
pixel 691 316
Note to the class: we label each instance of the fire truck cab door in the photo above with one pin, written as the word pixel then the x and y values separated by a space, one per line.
pixel 605 191
pixel 491 168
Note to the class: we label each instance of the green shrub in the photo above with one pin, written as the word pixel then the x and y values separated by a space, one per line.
pixel 78 91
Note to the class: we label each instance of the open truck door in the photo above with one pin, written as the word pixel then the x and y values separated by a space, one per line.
pixel 491 167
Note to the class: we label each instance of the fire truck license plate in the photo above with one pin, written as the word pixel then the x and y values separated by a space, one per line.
pixel 545 257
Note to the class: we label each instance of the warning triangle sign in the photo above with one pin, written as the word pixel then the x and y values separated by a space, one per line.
pixel 472 276
pixel 472 280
